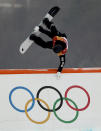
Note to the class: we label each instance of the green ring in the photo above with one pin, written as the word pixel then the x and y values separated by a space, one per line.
pixel 77 113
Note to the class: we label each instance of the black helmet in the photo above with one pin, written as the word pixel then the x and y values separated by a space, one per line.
pixel 57 48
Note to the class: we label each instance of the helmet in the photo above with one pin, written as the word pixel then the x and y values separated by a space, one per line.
pixel 57 48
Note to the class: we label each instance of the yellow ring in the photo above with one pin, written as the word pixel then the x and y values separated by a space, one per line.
pixel 29 116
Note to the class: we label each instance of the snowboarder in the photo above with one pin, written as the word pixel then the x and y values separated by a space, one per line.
pixel 59 43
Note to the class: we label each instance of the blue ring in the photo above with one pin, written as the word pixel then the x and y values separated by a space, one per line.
pixel 10 100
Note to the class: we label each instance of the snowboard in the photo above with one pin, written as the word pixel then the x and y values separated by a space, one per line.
pixel 27 43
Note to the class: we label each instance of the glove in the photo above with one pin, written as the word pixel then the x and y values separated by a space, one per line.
pixel 58 75
pixel 41 29
pixel 47 23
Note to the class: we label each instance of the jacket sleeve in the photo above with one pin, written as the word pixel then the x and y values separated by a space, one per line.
pixel 62 63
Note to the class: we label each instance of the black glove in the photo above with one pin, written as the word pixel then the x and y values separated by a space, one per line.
pixel 47 23
pixel 41 29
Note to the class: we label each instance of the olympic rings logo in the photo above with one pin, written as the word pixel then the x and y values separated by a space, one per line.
pixel 54 109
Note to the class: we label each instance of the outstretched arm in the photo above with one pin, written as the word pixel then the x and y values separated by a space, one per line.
pixel 62 63
pixel 50 25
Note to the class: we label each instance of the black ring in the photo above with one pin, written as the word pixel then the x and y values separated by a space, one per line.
pixel 49 110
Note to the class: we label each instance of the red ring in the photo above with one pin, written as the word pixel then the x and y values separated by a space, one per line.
pixel 76 86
